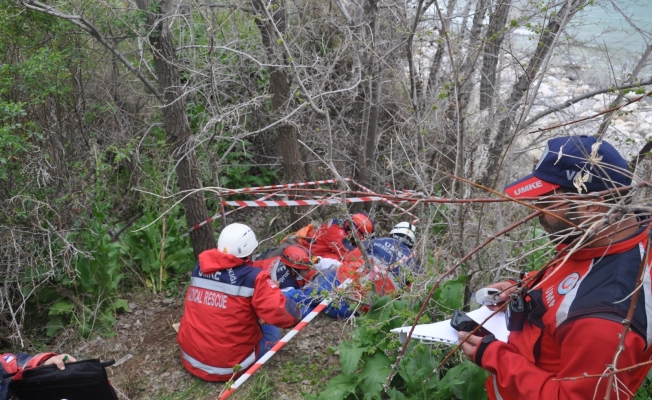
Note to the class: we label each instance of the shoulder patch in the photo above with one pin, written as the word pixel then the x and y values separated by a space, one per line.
pixel 568 283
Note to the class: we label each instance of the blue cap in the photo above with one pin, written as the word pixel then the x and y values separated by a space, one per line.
pixel 567 160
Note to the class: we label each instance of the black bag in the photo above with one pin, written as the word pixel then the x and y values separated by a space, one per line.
pixel 81 380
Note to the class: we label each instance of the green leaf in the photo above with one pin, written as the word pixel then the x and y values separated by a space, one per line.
pixel 395 394
pixel 53 326
pixel 473 387
pixel 416 368
pixel 374 374
pixel 451 293
pixel 339 388
pixel 121 304
pixel 61 307
pixel 350 356
pixel 465 381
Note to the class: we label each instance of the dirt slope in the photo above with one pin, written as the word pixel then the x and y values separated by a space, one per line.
pixel 155 372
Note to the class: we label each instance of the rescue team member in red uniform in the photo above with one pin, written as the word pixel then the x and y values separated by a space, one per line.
pixel 294 271
pixel 226 298
pixel 11 364
pixel 578 305
pixel 333 239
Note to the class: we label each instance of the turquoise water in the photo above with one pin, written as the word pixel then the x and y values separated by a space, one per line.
pixel 601 46
pixel 604 26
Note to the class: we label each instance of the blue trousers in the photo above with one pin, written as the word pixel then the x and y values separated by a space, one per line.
pixel 271 335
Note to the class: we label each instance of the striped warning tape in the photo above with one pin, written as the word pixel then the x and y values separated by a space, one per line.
pixel 278 346
pixel 218 215
pixel 291 203
pixel 282 186
pixel 257 188
pixel 414 221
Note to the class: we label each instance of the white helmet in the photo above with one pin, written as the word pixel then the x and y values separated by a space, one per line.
pixel 404 232
pixel 238 240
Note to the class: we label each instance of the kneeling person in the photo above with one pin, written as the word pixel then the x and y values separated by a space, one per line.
pixel 295 273
pixel 226 298
pixel 392 257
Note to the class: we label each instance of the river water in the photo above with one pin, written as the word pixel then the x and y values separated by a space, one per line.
pixel 603 43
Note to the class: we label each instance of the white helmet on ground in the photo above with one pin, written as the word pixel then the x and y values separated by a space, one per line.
pixel 238 240
pixel 404 232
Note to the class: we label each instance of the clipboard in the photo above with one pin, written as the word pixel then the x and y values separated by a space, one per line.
pixel 442 332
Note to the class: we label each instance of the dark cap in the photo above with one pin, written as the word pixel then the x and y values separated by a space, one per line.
pixel 573 161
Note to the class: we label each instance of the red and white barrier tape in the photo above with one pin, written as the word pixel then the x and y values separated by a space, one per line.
pixel 216 216
pixel 396 206
pixel 278 346
pixel 291 203
pixel 254 189
pixel 282 186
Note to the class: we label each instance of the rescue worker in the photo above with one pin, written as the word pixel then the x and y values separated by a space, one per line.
pixel 334 239
pixel 295 273
pixel 405 232
pixel 292 269
pixel 226 298
pixel 574 311
pixel 393 260
pixel 10 364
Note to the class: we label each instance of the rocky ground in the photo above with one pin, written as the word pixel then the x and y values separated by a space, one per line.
pixel 153 369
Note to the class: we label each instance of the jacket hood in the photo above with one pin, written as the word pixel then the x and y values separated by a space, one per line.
pixel 214 260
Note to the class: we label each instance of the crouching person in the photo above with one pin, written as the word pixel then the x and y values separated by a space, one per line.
pixel 394 264
pixel 295 273
pixel 225 301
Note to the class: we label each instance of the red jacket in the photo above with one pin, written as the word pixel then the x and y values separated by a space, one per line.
pixel 219 328
pixel 280 273
pixel 329 241
pixel 574 328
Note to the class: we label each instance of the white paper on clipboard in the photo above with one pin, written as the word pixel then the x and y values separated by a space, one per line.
pixel 444 333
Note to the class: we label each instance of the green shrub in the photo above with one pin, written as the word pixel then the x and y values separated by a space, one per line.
pixel 367 359
pixel 156 249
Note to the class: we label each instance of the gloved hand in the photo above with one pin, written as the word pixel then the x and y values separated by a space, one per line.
pixel 326 264
pixel 303 297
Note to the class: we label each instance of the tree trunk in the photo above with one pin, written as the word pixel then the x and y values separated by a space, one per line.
pixel 435 65
pixel 452 160
pixel 495 36
pixel 369 132
pixel 279 88
pixel 504 133
pixel 175 122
